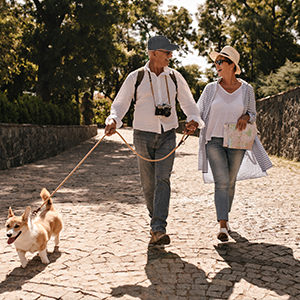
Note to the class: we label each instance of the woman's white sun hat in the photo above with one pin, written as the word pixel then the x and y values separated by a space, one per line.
pixel 228 52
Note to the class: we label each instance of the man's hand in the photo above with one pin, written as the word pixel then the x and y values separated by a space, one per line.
pixel 110 128
pixel 242 122
pixel 190 127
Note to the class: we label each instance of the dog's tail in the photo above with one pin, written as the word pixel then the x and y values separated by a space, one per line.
pixel 44 195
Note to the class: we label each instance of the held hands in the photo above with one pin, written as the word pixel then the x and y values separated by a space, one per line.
pixel 110 128
pixel 242 122
pixel 190 127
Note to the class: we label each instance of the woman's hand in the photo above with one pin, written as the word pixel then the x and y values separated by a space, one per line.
pixel 242 122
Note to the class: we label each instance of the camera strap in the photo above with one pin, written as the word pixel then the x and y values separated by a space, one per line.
pixel 153 90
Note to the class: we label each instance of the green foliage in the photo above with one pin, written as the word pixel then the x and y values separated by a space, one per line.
pixel 213 22
pixel 131 53
pixel 265 33
pixel 32 110
pixel 193 77
pixel 9 113
pixel 17 74
pixel 101 110
pixel 176 25
pixel 57 49
pixel 9 39
pixel 68 41
pixel 285 78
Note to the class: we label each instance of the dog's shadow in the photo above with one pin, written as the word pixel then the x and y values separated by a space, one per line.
pixel 268 266
pixel 18 276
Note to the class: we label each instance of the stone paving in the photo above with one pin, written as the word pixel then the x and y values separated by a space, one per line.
pixel 104 250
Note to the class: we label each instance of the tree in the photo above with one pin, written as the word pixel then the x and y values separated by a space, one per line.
pixel 214 19
pixel 193 77
pixel 68 43
pixel 8 42
pixel 60 49
pixel 88 44
pixel 264 32
pixel 270 40
pixel 16 73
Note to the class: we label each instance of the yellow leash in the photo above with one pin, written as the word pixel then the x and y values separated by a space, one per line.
pixel 183 139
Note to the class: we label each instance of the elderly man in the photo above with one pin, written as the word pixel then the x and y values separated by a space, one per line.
pixel 154 123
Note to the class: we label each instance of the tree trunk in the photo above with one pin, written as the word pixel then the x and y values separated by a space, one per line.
pixel 42 88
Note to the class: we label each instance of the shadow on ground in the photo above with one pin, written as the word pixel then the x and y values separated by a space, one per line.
pixel 268 266
pixel 95 181
pixel 19 276
pixel 110 172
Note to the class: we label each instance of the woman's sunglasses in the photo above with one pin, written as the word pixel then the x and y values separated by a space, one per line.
pixel 220 61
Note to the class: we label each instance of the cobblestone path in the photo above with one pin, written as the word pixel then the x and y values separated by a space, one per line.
pixel 104 250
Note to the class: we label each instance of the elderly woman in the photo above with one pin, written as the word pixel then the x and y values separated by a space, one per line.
pixel 228 100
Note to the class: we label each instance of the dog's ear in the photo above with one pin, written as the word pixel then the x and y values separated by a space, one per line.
pixel 10 213
pixel 44 194
pixel 26 214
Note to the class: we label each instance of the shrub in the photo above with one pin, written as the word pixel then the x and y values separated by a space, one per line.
pixel 72 113
pixel 53 112
pixel 101 110
pixel 9 112
pixel 285 78
pixel 30 109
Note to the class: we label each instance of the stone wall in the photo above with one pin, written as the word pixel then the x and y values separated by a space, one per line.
pixel 22 144
pixel 278 120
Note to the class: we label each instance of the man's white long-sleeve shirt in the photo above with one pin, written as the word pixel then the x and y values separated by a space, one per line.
pixel 144 115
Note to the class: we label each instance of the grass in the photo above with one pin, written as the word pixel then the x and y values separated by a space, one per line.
pixel 283 162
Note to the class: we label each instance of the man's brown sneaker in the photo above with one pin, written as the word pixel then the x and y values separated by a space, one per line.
pixel 159 238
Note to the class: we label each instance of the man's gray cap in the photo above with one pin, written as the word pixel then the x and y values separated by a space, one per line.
pixel 161 42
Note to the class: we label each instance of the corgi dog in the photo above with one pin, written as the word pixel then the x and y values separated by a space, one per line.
pixel 32 235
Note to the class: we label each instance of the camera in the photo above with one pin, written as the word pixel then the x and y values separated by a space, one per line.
pixel 163 110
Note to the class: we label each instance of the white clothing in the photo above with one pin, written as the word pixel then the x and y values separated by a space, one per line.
pixel 144 114
pixel 225 108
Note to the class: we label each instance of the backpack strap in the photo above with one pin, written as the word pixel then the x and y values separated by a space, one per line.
pixel 140 76
pixel 172 75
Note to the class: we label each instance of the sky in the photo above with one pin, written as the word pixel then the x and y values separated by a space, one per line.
pixel 191 6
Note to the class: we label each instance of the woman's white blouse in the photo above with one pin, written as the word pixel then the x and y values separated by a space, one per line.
pixel 226 108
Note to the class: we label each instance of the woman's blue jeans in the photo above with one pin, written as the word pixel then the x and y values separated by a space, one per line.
pixel 155 176
pixel 225 164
